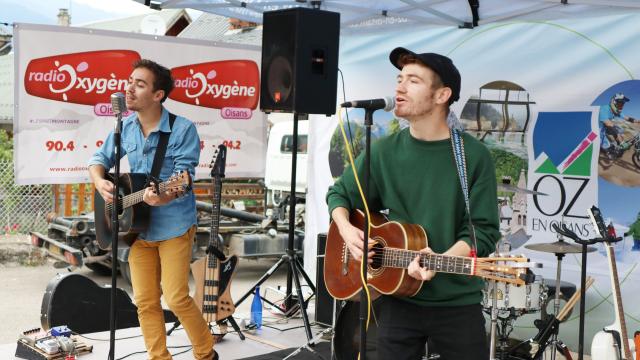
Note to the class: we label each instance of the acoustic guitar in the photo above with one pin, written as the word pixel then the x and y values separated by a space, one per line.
pixel 214 272
pixel 133 213
pixel 395 246
pixel 612 342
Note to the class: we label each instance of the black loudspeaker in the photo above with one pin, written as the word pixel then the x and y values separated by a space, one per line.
pixel 324 301
pixel 299 71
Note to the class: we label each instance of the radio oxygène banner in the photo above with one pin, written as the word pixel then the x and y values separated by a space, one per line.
pixel 65 77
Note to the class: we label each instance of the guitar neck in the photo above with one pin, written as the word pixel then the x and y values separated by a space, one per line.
pixel 401 258
pixel 619 324
pixel 136 197
pixel 215 213
pixel 212 275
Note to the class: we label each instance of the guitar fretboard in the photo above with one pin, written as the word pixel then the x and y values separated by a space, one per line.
pixel 134 198
pixel 211 282
pixel 401 258
pixel 214 240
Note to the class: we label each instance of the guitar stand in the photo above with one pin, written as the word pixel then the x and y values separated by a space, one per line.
pixel 230 319
pixel 565 231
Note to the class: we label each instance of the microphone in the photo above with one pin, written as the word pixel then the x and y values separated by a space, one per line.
pixel 118 103
pixel 387 104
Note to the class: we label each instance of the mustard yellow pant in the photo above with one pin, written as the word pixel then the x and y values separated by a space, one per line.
pixel 162 268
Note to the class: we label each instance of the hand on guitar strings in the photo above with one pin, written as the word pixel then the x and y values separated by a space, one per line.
pixel 152 198
pixel 354 238
pixel 105 188
pixel 418 272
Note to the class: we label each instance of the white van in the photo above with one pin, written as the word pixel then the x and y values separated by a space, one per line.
pixel 277 176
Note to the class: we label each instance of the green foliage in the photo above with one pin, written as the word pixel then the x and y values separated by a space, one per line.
pixel 394 126
pixel 337 142
pixel 6 146
pixel 507 164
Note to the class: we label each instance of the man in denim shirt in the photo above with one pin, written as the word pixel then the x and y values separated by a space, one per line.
pixel 160 257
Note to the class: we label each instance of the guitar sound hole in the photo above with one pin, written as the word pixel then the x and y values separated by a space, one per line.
pixel 377 257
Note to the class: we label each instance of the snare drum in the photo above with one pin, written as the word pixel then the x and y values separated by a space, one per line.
pixel 526 298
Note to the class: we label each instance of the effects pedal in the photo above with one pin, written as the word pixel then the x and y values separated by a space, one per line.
pixel 61 330
pixel 48 344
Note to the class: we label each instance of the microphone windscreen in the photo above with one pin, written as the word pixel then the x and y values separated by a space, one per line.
pixel 390 103
pixel 118 103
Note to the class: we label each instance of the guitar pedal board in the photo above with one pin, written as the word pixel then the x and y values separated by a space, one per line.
pixel 36 344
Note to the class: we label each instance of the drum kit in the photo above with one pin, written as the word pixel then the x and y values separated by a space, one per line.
pixel 506 302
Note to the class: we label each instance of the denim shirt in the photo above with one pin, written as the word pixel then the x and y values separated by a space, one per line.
pixel 183 153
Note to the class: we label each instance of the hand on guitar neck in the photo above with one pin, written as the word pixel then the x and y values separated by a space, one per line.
pixel 152 198
pixel 418 272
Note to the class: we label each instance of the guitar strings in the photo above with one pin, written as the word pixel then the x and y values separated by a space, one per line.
pixel 136 197
pixel 479 266
pixel 210 271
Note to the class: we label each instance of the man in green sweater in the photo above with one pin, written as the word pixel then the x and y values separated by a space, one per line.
pixel 634 230
pixel 414 176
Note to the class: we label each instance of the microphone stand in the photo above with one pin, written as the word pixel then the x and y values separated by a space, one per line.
pixel 364 313
pixel 115 229
pixel 583 276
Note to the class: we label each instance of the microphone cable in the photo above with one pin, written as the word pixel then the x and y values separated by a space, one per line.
pixel 366 209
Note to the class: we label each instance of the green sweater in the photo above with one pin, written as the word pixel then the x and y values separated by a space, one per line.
pixel 418 183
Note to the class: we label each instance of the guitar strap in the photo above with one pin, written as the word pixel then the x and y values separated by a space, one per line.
pixel 161 149
pixel 457 143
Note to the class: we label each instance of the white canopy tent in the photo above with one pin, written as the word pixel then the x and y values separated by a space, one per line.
pixel 372 15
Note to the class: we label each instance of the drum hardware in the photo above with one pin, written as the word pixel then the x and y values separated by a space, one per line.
pixel 538 347
pixel 514 300
pixel 566 290
pixel 560 248
pixel 500 348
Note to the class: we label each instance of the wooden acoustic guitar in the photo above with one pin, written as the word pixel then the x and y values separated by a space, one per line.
pixel 133 213
pixel 395 247
pixel 214 272
pixel 612 343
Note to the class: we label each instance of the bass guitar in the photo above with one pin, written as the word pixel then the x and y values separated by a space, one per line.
pixel 395 246
pixel 214 272
pixel 133 213
pixel 612 342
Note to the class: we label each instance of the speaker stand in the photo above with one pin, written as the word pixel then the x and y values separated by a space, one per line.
pixel 291 258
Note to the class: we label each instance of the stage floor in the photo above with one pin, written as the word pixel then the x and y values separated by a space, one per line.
pixel 277 335
pixel 286 333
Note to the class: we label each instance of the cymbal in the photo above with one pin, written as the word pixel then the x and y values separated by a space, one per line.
pixel 515 189
pixel 559 247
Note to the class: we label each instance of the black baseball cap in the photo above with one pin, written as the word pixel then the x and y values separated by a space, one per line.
pixel 440 64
